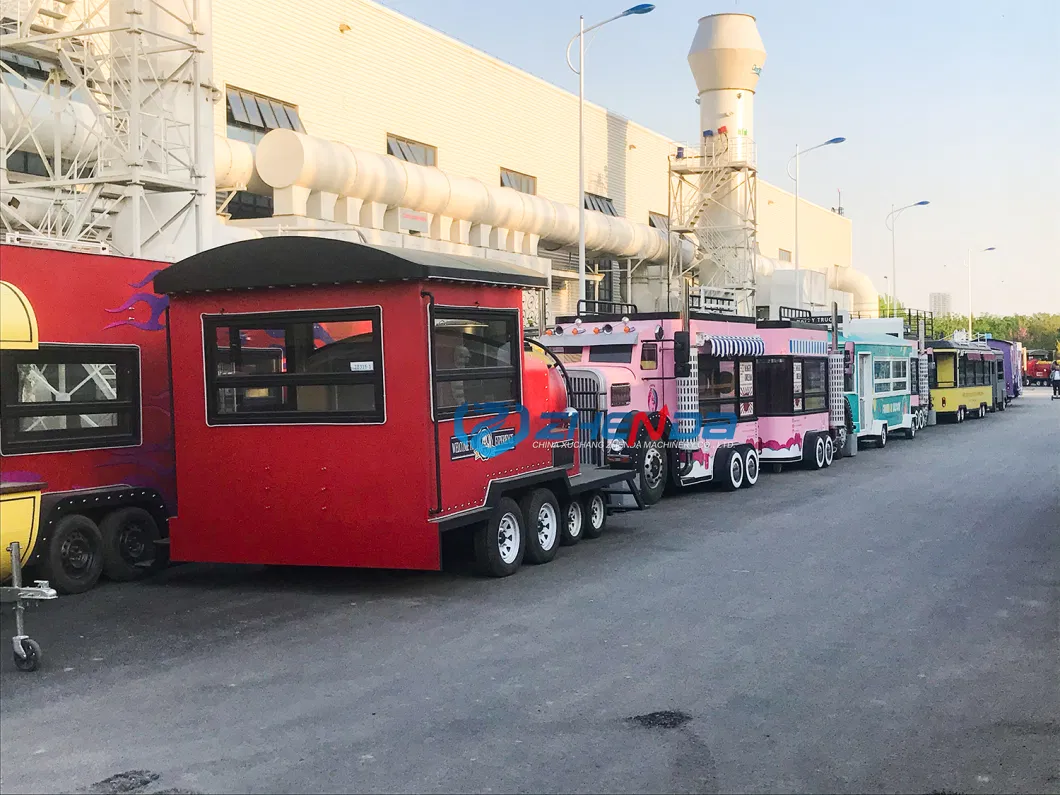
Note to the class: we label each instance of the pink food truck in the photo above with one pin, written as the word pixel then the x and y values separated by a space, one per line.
pixel 698 383
pixel 795 396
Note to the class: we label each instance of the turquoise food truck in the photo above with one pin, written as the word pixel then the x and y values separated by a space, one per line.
pixel 878 383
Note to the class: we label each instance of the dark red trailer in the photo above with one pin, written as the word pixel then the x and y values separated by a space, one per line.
pixel 319 392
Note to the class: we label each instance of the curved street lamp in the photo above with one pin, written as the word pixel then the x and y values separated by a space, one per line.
pixel 892 216
pixel 636 10
pixel 795 176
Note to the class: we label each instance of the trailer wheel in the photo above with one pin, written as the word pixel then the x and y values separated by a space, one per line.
pixel 732 464
pixel 982 411
pixel 129 536
pixel 653 472
pixel 574 527
pixel 818 448
pixel 881 440
pixel 541 516
pixel 751 468
pixel 829 451
pixel 910 432
pixel 1001 406
pixel 595 510
pixel 960 415
pixel 777 468
pixel 500 543
pixel 74 559
pixel 31 661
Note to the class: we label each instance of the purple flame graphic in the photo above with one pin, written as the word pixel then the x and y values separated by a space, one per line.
pixel 144 281
pixel 157 303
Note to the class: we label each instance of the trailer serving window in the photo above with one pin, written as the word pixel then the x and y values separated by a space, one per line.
pixel 790 385
pixel 726 386
pixel 70 397
pixel 472 357
pixel 303 367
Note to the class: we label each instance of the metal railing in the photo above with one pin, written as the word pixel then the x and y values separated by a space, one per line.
pixel 594 307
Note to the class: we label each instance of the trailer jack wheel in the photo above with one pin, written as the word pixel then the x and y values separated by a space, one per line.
pixel 27 654
pixel 777 468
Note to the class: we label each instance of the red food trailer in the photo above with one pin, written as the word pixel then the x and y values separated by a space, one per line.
pixel 325 398
pixel 86 411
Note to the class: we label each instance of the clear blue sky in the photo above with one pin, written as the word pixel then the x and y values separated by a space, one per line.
pixel 954 102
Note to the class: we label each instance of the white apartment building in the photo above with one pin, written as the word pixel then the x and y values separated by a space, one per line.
pixel 940 304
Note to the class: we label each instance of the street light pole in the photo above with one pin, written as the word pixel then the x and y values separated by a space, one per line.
pixel 795 157
pixel 643 8
pixel 892 217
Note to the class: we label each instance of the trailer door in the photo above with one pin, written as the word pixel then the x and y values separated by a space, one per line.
pixel 865 391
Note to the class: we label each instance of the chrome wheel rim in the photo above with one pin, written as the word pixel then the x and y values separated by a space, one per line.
pixel 508 538
pixel 653 466
pixel 751 467
pixel 547 526
pixel 736 470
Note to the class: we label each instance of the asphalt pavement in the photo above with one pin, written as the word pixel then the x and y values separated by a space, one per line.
pixel 891 624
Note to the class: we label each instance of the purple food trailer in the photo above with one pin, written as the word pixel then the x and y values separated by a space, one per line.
pixel 1010 357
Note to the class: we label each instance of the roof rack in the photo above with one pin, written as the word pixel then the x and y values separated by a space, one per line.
pixel 594 307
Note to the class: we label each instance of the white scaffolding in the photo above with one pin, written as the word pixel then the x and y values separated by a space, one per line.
pixel 119 124
pixel 713 200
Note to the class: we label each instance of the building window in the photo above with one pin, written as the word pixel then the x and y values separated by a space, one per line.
pixel 70 397
pixel 523 183
pixel 659 221
pixel 474 356
pixel 784 255
pixel 411 151
pixel 601 204
pixel 249 205
pixel 305 367
pixel 251 116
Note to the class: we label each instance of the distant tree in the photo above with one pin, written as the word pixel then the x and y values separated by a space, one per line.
pixel 1041 330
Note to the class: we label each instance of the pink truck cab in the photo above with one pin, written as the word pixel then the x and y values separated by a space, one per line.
pixel 699 385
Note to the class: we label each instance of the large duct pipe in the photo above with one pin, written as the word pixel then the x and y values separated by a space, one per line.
pixel 285 159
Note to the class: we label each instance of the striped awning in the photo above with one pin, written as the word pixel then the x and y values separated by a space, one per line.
pixel 811 347
pixel 724 346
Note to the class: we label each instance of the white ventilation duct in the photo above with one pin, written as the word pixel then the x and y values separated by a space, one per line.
pixel 287 159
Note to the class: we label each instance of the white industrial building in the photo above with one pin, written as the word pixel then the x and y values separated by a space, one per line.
pixel 370 126
pixel 940 304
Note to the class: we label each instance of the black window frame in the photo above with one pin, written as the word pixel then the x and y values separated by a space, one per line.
pixel 291 416
pixel 601 204
pixel 653 347
pixel 126 358
pixel 447 376
pixel 706 405
pixel 514 178
pixel 786 387
pixel 253 112
pixel 395 150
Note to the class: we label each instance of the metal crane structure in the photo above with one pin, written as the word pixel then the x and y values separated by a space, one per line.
pixel 112 101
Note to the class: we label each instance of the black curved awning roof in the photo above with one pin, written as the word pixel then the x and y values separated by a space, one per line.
pixel 301 261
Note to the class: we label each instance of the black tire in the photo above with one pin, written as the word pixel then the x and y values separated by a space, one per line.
pixel 881 440
pixel 653 472
pixel 1001 406
pixel 813 451
pixel 752 467
pixel 31 662
pixel 573 514
pixel 73 560
pixel 129 536
pixel 594 507
pixel 777 468
pixel 829 451
pixel 731 469
pixel 497 553
pixel 542 520
pixel 910 432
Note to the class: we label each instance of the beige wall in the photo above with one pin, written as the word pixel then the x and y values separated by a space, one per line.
pixel 390 74
pixel 824 236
